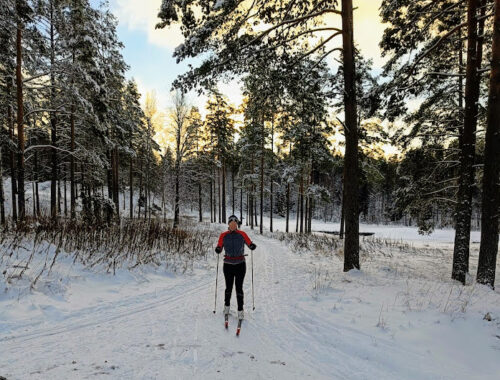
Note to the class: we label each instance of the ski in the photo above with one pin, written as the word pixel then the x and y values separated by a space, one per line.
pixel 238 329
pixel 226 320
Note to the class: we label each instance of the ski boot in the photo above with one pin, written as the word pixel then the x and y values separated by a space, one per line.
pixel 240 319
pixel 226 316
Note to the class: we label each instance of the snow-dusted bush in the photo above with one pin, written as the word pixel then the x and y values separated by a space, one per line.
pixel 31 250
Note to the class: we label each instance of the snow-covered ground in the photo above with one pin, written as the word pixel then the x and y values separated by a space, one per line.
pixel 393 231
pixel 400 317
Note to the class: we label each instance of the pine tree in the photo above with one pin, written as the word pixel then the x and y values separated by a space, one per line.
pixel 491 192
pixel 220 126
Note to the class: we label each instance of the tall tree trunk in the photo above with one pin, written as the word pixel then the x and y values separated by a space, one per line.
pixel 255 210
pixel 468 144
pixel 131 187
pixel 82 179
pixel 20 124
pixel 351 243
pixel 116 187
pixel 12 161
pixel 72 189
pixel 59 201
pixel 491 191
pixel 141 199
pixel 306 214
pixel 109 173
pixel 219 208
pixel 311 205
pixel 311 201
pixel 2 199
pixel 241 203
pixel 65 192
pixel 33 196
pixel 232 190
pixel 37 195
pixel 301 191
pixel 248 208
pixel 297 216
pixel 53 121
pixel 342 219
pixel 215 195
pixel 223 190
pixel 271 179
pixel 177 195
pixel 287 207
pixel 211 202
pixel 200 203
pixel 261 227
pixel 251 196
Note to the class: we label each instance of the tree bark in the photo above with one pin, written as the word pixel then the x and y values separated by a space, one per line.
pixel 301 192
pixel 351 243
pixel 211 202
pixel 2 199
pixel 287 207
pixel 271 179
pixel 232 190
pixel 109 173
pixel 306 214
pixel 65 192
pixel 341 232
pixel 12 161
pixel 200 203
pixel 72 165
pixel 297 216
pixel 140 190
pixel 468 144
pixel 241 203
pixel 20 124
pixel 131 187
pixel 116 188
pixel 248 208
pixel 37 195
pixel 491 191
pixel 219 208
pixel 223 190
pixel 53 121
pixel 251 208
pixel 177 195
pixel 261 227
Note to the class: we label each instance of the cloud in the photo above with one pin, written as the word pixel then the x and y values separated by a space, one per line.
pixel 142 15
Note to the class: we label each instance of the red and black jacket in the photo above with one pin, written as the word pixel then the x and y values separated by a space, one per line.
pixel 233 243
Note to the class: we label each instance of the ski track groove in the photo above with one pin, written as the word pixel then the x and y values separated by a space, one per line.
pixel 79 323
pixel 275 330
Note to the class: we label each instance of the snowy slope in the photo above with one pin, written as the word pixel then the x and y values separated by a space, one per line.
pixel 398 318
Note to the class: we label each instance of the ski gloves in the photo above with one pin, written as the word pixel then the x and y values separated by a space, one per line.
pixel 219 249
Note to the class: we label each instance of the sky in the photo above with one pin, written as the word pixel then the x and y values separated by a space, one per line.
pixel 149 51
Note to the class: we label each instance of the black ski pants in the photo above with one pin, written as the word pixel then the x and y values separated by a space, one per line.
pixel 234 273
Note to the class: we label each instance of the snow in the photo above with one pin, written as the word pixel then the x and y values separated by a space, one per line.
pixel 400 317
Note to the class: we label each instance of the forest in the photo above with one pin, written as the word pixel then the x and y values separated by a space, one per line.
pixel 365 185
pixel 72 118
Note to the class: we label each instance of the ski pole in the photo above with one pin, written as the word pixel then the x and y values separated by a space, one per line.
pixel 253 297
pixel 216 279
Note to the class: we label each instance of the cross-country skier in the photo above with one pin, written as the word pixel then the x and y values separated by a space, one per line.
pixel 234 269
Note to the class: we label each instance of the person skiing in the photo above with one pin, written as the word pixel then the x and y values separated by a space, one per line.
pixel 233 241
